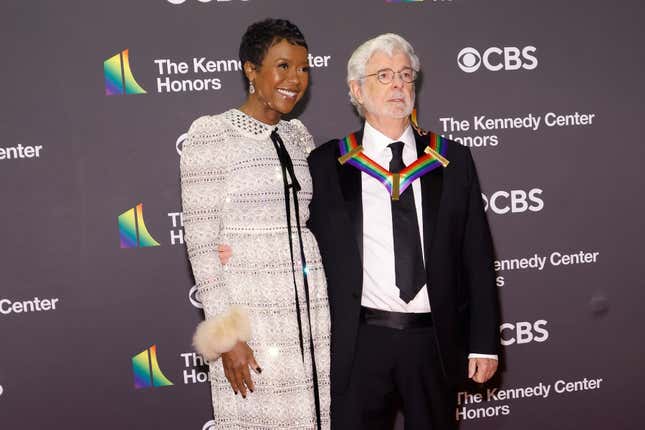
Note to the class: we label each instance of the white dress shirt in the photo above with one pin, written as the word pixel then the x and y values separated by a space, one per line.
pixel 379 286
pixel 379 276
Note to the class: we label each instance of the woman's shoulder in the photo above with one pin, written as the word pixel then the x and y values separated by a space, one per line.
pixel 208 123
pixel 302 136
pixel 209 130
pixel 206 138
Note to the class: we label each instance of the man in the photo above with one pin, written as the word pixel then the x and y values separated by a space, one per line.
pixel 409 267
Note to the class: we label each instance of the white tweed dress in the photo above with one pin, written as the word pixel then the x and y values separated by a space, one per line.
pixel 233 193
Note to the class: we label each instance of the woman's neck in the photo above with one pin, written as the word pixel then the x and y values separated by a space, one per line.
pixel 260 111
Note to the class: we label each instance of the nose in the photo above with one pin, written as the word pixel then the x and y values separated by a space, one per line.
pixel 397 80
pixel 293 75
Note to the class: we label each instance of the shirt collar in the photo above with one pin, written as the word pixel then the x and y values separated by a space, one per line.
pixel 375 143
pixel 250 127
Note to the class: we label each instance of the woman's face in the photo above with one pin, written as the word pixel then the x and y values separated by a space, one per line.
pixel 281 80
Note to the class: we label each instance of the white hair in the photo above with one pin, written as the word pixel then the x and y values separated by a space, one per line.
pixel 388 43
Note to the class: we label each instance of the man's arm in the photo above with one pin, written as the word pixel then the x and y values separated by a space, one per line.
pixel 478 256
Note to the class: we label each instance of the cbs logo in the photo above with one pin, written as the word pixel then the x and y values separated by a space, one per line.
pixel 523 332
pixel 495 59
pixel 179 143
pixel 514 201
pixel 193 297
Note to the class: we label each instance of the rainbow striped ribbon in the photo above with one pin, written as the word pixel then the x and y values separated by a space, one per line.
pixel 395 183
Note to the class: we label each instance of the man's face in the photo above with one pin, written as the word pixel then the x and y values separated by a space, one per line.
pixel 394 100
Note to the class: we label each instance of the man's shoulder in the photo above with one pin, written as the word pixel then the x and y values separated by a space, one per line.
pixel 456 147
pixel 451 145
pixel 328 146
pixel 325 152
pixel 454 151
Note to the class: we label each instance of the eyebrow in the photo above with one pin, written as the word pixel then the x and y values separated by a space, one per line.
pixel 290 61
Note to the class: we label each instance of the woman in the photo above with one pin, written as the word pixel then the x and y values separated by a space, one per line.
pixel 245 182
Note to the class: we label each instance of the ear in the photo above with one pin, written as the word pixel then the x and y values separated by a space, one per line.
pixel 356 90
pixel 249 70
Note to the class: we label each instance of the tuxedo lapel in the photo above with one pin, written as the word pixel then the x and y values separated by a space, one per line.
pixel 431 186
pixel 351 186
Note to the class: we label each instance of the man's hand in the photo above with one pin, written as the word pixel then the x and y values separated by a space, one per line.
pixel 224 253
pixel 481 369
pixel 236 365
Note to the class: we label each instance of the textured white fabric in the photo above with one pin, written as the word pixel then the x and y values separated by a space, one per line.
pixel 379 286
pixel 232 192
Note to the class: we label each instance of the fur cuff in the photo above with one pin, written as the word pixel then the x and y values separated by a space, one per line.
pixel 220 334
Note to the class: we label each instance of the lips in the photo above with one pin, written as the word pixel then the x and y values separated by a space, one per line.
pixel 287 93
pixel 397 98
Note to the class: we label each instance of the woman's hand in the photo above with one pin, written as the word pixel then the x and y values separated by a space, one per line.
pixel 224 252
pixel 236 364
pixel 237 361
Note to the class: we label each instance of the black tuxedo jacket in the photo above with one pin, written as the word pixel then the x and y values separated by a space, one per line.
pixel 458 255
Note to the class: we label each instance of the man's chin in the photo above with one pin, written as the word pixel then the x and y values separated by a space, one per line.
pixel 400 113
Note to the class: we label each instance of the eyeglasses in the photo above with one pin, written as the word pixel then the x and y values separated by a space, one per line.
pixel 386 76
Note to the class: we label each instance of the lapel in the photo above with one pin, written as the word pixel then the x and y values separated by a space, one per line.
pixel 431 185
pixel 351 186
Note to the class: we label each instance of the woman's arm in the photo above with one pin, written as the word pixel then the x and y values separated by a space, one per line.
pixel 203 172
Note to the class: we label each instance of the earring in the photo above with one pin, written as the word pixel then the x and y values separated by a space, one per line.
pixel 251 88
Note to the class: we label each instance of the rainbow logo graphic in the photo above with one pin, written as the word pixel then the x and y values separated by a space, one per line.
pixel 133 232
pixel 146 370
pixel 118 76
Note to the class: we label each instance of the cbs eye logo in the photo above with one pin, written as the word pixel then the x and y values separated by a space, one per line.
pixel 194 299
pixel 179 143
pixel 495 59
pixel 469 60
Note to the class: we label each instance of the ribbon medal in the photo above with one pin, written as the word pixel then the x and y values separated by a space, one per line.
pixel 395 183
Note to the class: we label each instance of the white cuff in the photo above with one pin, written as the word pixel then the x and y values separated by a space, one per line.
pixel 475 355
pixel 217 335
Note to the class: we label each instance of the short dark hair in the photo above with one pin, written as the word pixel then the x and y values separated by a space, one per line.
pixel 262 35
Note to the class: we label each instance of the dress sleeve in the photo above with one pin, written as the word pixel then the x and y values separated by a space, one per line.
pixel 203 174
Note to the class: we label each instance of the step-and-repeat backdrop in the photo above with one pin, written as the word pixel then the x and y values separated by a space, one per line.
pixel 97 303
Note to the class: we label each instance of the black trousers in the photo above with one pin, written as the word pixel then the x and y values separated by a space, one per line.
pixel 395 369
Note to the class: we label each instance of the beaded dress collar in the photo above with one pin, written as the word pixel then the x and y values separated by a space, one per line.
pixel 251 127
